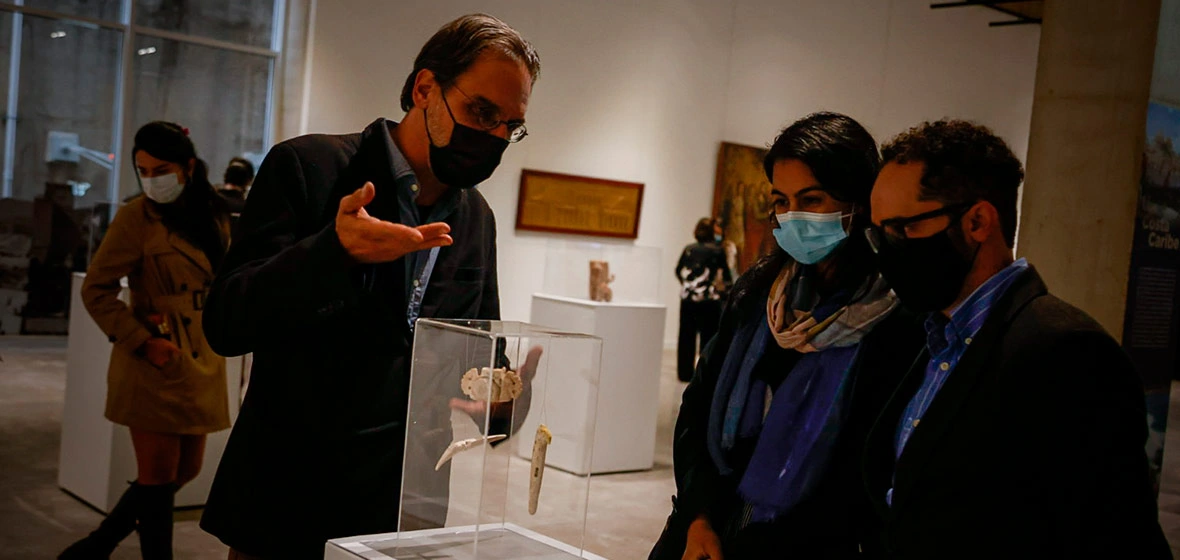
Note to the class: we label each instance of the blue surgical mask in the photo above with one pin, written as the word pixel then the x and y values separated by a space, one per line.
pixel 810 237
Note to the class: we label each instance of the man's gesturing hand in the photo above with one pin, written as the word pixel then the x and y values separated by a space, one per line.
pixel 369 240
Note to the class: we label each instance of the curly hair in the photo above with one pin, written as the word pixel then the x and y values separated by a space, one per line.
pixel 964 162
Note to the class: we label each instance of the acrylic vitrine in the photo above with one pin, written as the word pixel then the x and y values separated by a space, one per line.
pixel 479 391
pixel 635 272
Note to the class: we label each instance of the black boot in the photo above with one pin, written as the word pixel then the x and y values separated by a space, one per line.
pixel 119 523
pixel 155 521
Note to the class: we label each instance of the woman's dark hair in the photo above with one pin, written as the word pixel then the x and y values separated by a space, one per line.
pixel 199 213
pixel 843 157
pixel 704 230
pixel 455 47
pixel 240 172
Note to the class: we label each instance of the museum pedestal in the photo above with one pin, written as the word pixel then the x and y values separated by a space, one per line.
pixel 629 393
pixel 97 460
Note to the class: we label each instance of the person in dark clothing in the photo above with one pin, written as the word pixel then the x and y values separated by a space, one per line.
pixel 810 345
pixel 348 240
pixel 1020 431
pixel 701 268
pixel 239 175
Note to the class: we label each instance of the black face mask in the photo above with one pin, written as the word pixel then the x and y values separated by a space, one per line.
pixel 470 157
pixel 927 273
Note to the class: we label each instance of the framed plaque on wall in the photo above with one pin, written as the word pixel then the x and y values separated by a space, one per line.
pixel 560 203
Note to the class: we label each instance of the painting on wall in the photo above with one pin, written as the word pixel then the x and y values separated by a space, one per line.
pixel 556 202
pixel 741 199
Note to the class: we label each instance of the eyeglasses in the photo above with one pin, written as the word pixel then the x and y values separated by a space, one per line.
pixel 897 229
pixel 486 117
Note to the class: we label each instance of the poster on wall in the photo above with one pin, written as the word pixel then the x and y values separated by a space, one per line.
pixel 1150 326
pixel 741 200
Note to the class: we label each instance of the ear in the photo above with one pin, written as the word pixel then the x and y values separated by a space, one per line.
pixel 981 221
pixel 424 83
pixel 192 165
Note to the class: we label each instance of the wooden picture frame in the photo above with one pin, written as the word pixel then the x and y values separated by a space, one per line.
pixel 560 203
pixel 741 200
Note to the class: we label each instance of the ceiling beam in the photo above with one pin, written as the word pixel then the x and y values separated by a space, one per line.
pixel 1022 19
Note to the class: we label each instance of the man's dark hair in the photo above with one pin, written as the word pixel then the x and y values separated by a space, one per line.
pixel 963 162
pixel 704 230
pixel 239 172
pixel 455 47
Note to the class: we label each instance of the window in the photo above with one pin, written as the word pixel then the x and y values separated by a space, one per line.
pixel 97 9
pixel 77 79
pixel 249 22
pixel 219 95
pixel 67 83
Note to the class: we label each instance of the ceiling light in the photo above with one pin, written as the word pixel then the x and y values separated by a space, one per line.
pixel 147 51
pixel 57 34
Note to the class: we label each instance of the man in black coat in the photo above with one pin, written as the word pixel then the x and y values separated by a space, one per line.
pixel 1021 432
pixel 345 242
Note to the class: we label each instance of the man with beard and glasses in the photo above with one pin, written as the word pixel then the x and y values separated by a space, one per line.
pixel 346 242
pixel 1019 431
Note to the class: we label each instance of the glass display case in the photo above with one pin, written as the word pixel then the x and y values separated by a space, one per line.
pixel 479 390
pixel 638 271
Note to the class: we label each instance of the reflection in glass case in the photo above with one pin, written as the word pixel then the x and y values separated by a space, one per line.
pixel 478 391
pixel 633 273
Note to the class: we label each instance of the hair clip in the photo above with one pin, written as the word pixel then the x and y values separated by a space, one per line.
pixel 185 130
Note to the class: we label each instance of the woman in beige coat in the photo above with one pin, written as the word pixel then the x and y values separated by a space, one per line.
pixel 164 383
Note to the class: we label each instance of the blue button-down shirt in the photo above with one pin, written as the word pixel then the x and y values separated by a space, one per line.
pixel 419 265
pixel 947 340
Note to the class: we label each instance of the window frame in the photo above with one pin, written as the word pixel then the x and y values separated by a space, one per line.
pixel 124 84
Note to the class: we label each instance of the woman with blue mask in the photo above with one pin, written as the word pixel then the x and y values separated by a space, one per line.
pixel 164 383
pixel 809 347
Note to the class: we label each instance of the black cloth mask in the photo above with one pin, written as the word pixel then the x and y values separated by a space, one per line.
pixel 470 157
pixel 926 273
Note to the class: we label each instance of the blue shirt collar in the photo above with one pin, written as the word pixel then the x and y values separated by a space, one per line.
pixel 401 167
pixel 968 317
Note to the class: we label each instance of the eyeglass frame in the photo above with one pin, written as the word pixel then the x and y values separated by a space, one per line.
pixel 877 234
pixel 514 126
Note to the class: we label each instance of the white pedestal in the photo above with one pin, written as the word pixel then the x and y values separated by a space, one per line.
pixel 629 391
pixel 97 459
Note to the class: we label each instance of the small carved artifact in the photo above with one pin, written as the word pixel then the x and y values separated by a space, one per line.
pixel 463 445
pixel 540 446
pixel 600 279
pixel 491 385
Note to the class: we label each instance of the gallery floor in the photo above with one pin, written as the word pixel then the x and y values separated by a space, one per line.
pixel 37 520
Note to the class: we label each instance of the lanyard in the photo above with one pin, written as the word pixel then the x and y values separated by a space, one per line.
pixel 414 309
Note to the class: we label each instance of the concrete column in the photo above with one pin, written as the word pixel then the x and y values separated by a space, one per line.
pixel 1085 146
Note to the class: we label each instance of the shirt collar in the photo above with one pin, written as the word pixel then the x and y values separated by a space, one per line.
pixel 968 317
pixel 401 167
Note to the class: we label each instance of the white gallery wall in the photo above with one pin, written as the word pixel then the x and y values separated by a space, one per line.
pixel 645 91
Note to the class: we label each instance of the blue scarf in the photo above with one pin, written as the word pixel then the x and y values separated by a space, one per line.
pixel 798 433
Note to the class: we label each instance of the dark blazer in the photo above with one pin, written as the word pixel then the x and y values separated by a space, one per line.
pixel 317 449
pixel 1034 447
pixel 826 524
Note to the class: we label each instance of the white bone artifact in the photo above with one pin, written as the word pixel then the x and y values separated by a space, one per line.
pixel 463 445
pixel 540 445
pixel 491 385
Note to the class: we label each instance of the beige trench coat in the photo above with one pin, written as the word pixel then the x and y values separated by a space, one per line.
pixel 167 276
